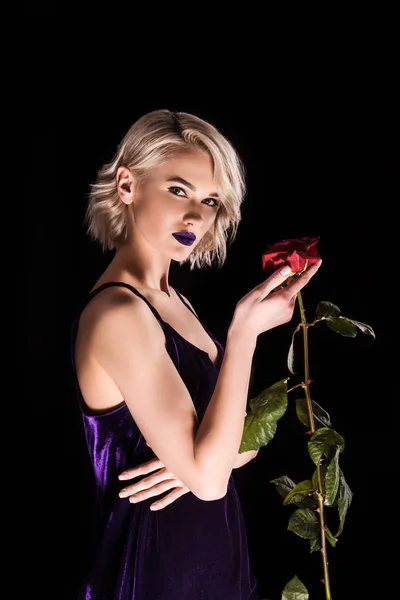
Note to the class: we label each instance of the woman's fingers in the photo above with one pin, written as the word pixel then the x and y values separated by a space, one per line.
pixel 297 283
pixel 146 467
pixel 150 482
pixel 274 281
pixel 148 491
pixel 156 490
pixel 169 498
pixel 136 494
pixel 154 485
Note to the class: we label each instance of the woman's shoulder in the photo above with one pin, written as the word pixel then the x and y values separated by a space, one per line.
pixel 103 300
pixel 110 308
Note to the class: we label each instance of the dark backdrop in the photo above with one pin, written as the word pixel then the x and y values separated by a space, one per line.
pixel 322 166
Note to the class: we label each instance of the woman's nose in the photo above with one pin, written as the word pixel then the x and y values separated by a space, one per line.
pixel 193 217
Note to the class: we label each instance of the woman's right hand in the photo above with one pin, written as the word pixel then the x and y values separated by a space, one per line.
pixel 270 303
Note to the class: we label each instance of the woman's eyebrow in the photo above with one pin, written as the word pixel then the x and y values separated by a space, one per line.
pixel 187 184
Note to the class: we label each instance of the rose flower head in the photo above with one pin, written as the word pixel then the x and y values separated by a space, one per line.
pixel 298 253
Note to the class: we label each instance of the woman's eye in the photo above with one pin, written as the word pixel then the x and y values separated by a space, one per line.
pixel 176 190
pixel 212 200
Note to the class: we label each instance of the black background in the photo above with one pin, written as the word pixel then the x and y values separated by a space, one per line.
pixel 322 161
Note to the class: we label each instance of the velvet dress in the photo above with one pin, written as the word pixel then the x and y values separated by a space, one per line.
pixel 189 550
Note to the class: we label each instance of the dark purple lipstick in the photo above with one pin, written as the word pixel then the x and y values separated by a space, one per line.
pixel 184 237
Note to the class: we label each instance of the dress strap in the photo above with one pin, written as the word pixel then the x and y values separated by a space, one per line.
pixel 185 303
pixel 132 289
pixel 197 317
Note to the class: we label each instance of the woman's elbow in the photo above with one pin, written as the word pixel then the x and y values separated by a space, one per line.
pixel 208 493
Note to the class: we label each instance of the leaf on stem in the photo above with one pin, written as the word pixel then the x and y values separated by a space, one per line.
pixel 295 590
pixel 332 478
pixel 327 309
pixel 330 537
pixel 315 544
pixel 345 497
pixel 314 479
pixel 300 491
pixel 285 485
pixel 290 358
pixel 324 442
pixel 339 324
pixel 262 415
pixel 304 523
pixel 367 329
pixel 321 417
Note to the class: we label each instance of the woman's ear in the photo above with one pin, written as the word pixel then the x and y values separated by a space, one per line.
pixel 125 184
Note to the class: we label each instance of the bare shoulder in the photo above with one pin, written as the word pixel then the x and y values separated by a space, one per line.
pixel 116 329
pixel 114 308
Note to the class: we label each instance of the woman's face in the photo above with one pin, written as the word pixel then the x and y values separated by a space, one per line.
pixel 177 196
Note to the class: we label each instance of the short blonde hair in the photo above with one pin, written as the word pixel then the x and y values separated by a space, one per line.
pixel 152 139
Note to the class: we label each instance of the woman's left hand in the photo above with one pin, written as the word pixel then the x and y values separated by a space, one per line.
pixel 153 485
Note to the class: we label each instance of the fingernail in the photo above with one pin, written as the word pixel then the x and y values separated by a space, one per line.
pixel 123 476
pixel 286 270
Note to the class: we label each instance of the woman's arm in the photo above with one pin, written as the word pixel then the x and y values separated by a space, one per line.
pixel 161 481
pixel 245 457
pixel 128 345
pixel 122 339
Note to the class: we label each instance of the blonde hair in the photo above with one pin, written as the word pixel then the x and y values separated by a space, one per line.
pixel 152 139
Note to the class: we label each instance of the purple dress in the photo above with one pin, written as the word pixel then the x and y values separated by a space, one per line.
pixel 189 550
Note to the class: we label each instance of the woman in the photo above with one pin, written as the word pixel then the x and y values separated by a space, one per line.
pixel 157 391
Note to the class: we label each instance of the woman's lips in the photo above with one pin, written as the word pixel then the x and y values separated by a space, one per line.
pixel 184 238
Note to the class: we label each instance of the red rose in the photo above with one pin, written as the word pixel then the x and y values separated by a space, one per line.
pixel 296 253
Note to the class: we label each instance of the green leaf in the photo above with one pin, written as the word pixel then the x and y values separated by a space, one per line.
pixel 324 441
pixel 346 327
pixel 342 325
pixel 321 417
pixel 284 485
pixel 304 523
pixel 345 498
pixel 367 329
pixel 301 490
pixel 331 538
pixel 315 544
pixel 263 413
pixel 332 479
pixel 314 479
pixel 295 590
pixel 327 309
pixel 290 358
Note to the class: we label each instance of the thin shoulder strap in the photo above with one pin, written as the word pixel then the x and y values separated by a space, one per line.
pixel 185 303
pixel 92 294
pixel 129 287
pixel 197 317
